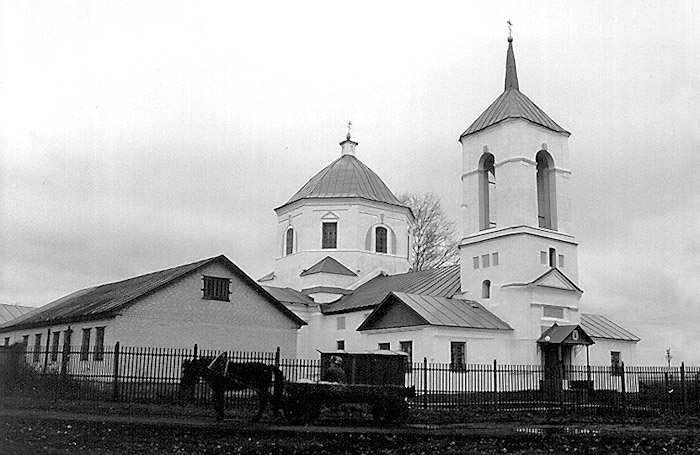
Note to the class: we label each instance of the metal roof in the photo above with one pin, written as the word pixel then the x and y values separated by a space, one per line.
pixel 108 300
pixel 442 311
pixel 289 295
pixel 346 177
pixel 9 312
pixel 599 326
pixel 438 282
pixel 564 334
pixel 512 104
pixel 328 265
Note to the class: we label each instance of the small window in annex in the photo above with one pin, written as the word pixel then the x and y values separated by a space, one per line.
pixel 553 312
pixel 561 260
pixel 289 242
pixel 407 347
pixel 54 346
pixel 25 340
pixel 340 323
pixel 380 240
pixel 543 257
pixel 340 345
pixel 7 341
pixel 99 343
pixel 384 346
pixel 494 259
pixel 616 363
pixel 85 346
pixel 485 262
pixel 216 288
pixel 458 357
pixel 330 235
pixel 476 262
pixel 37 347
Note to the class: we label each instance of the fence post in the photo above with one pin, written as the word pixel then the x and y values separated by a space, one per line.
pixel 684 390
pixel 425 382
pixel 277 357
pixel 495 385
pixel 115 391
pixel 48 346
pixel 194 355
pixel 623 384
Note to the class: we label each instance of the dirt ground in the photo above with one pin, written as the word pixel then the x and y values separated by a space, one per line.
pixel 41 427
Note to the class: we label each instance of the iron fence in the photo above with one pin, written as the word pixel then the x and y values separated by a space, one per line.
pixel 152 375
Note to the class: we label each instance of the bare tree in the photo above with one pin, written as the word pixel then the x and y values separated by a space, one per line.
pixel 433 234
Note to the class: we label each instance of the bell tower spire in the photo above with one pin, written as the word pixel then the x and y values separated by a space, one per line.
pixel 511 71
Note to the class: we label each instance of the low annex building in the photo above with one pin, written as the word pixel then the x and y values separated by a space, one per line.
pixel 212 303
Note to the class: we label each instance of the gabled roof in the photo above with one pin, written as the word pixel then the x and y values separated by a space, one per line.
pixel 346 177
pixel 512 104
pixel 10 312
pixel 436 311
pixel 328 265
pixel 599 326
pixel 552 278
pixel 565 334
pixel 438 282
pixel 289 295
pixel 108 300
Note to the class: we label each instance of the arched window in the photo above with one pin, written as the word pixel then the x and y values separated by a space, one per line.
pixel 289 242
pixel 486 289
pixel 487 192
pixel 380 240
pixel 546 191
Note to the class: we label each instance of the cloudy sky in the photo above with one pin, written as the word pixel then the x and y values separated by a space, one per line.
pixel 136 136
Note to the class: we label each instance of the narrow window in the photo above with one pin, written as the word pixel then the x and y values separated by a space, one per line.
pixel 487 192
pixel 458 359
pixel 494 259
pixel 85 346
pixel 561 260
pixel 341 323
pixel 25 340
pixel 54 346
pixel 552 257
pixel 67 334
pixel 476 262
pixel 381 237
pixel 37 347
pixel 384 346
pixel 485 261
pixel 216 288
pixel 407 347
pixel 330 235
pixel 616 363
pixel 486 289
pixel 7 341
pixel 543 257
pixel 340 345
pixel 99 343
pixel 289 245
pixel 546 208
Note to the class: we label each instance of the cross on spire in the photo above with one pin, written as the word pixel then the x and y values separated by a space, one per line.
pixel 349 126
pixel 510 31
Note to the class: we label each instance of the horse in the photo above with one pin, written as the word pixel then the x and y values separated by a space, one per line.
pixel 256 376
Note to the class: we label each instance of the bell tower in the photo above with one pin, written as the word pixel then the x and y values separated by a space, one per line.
pixel 516 210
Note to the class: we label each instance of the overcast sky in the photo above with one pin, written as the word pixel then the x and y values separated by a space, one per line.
pixel 137 136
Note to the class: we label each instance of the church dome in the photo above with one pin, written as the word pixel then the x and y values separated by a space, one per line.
pixel 346 177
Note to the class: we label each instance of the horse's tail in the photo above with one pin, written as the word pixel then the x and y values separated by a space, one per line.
pixel 278 387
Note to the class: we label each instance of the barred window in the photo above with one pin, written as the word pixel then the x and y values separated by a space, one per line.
pixel 216 288
pixel 384 346
pixel 99 343
pixel 407 347
pixel 330 235
pixel 340 345
pixel 380 244
pixel 54 346
pixel 458 355
pixel 85 346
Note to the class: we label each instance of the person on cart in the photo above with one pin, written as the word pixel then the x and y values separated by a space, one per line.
pixel 335 372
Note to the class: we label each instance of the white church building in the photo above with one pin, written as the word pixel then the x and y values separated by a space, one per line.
pixel 343 263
